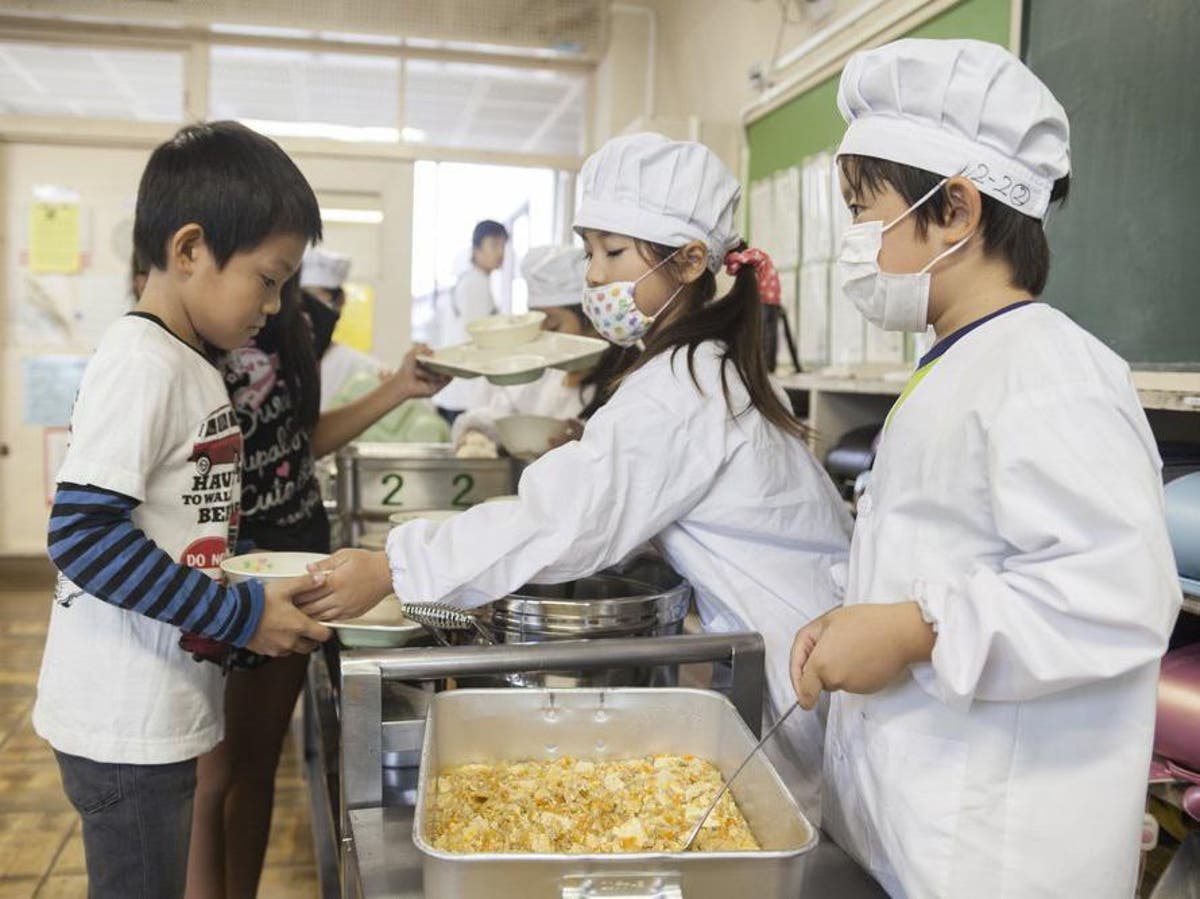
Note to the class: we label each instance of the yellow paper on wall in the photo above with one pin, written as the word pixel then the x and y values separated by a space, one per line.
pixel 54 238
pixel 356 327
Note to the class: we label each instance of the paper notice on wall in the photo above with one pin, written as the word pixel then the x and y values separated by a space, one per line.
pixel 813 320
pixel 816 226
pixel 788 295
pixel 762 214
pixel 786 217
pixel 790 318
pixel 356 327
pixel 842 219
pixel 67 311
pixel 885 347
pixel 54 453
pixel 50 384
pixel 43 312
pixel 847 330
pixel 54 238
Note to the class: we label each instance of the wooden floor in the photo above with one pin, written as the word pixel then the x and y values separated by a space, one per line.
pixel 41 854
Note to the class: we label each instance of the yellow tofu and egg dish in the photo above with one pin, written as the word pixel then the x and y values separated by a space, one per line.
pixel 569 805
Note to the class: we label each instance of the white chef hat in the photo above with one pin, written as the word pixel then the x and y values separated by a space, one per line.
pixel 958 107
pixel 554 276
pixel 664 191
pixel 322 268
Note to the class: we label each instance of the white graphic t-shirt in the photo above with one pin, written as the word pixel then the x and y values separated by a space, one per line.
pixel 151 421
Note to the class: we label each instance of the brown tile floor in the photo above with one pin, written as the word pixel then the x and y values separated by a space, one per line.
pixel 41 854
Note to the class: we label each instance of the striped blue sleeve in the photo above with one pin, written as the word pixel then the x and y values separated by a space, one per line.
pixel 92 540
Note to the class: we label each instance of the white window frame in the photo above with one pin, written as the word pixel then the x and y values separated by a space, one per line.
pixel 195 44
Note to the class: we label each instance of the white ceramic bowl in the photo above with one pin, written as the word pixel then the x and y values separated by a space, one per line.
pixel 527 436
pixel 503 331
pixel 382 627
pixel 268 566
pixel 437 515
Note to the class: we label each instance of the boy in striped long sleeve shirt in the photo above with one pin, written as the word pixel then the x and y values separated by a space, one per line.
pixel 146 508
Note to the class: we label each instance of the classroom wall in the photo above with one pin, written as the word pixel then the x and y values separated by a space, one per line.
pixel 707 48
pixel 704 52
pixel 106 180
pixel 619 84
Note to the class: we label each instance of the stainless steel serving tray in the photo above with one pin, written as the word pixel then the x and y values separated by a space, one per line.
pixel 466 726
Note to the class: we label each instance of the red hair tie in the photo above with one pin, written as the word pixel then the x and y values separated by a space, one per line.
pixel 764 272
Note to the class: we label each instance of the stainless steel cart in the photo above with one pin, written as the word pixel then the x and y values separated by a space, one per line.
pixel 365 722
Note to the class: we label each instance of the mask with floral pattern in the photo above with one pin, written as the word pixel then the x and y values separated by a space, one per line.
pixel 614 314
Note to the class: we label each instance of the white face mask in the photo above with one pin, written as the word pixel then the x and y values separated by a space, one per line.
pixel 614 314
pixel 893 302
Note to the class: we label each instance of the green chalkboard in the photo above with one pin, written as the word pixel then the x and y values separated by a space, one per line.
pixel 1124 247
pixel 811 123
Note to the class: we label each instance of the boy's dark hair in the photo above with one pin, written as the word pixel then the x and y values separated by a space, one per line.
pixel 485 229
pixel 236 184
pixel 1016 238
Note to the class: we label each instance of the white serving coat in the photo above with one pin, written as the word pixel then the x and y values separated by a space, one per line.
pixel 738 507
pixel 1017 494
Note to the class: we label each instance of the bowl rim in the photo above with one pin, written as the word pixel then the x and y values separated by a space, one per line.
pixel 315 557
pixel 507 321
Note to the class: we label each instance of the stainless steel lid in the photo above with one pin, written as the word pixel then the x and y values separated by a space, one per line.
pixel 398 451
pixel 603 604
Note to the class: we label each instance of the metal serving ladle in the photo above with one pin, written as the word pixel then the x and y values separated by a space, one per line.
pixel 695 831
pixel 436 618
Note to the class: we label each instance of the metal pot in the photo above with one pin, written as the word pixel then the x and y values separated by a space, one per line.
pixel 645 600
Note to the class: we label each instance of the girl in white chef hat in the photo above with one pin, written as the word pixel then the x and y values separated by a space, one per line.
pixel 695 450
pixel 1011 586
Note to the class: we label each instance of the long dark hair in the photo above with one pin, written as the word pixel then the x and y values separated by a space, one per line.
pixel 735 320
pixel 298 357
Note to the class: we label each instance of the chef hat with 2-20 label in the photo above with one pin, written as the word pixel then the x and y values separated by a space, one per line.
pixel 958 107
pixel 664 191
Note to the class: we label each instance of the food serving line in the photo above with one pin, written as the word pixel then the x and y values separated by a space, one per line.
pixel 592 670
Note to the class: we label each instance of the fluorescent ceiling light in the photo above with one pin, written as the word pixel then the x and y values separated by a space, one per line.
pixel 351 216
pixel 347 133
pixel 258 30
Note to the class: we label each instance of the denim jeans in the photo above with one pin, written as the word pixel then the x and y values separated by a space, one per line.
pixel 137 820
